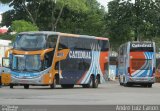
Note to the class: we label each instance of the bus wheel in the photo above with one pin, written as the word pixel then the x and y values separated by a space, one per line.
pixel 11 86
pixel 67 85
pixel 90 84
pixel 26 86
pixel 149 85
pixel 85 85
pixel 53 85
pixel 129 84
pixel 96 82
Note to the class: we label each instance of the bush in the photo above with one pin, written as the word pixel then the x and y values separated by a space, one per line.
pixel 8 37
pixel 22 26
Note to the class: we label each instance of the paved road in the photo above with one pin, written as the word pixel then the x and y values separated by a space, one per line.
pixel 107 94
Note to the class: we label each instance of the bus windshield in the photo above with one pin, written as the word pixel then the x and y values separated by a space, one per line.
pixel 141 64
pixel 30 42
pixel 26 63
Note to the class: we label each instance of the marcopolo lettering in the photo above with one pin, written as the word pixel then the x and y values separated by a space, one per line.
pixel 80 54
pixel 141 45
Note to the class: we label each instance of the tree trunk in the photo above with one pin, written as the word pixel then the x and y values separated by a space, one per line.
pixel 57 20
pixel 28 12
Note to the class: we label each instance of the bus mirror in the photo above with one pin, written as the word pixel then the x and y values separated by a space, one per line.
pixel 5 62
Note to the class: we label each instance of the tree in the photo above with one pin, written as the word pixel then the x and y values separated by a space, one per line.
pixel 127 21
pixel 21 26
pixel 33 9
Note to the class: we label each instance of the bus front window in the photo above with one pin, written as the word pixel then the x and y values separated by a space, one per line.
pixel 26 63
pixel 30 42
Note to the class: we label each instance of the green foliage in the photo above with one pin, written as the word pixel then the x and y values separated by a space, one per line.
pixel 76 5
pixel 124 21
pixel 8 37
pixel 127 21
pixel 21 26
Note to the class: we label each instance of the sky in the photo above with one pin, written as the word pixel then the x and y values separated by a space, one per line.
pixel 4 8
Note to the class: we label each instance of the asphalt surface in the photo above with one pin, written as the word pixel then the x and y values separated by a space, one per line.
pixel 110 93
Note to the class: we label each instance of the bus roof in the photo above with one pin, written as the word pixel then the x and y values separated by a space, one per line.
pixel 64 34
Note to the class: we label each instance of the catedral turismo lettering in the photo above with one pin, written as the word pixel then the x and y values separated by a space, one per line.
pixel 80 54
pixel 141 45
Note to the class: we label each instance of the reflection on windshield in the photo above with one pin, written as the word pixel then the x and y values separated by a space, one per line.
pixel 30 42
pixel 26 63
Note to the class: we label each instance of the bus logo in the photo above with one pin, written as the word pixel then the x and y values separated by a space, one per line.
pixel 80 54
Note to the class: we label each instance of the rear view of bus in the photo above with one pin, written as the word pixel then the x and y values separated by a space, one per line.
pixel 136 63
pixel 142 63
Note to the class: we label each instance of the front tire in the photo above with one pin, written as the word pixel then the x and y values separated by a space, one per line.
pixel 53 85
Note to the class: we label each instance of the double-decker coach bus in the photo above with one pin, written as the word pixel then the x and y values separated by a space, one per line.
pixel 136 63
pixel 51 58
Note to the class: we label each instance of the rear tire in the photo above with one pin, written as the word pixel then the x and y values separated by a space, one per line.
pixel 90 84
pixel 96 82
pixel 26 86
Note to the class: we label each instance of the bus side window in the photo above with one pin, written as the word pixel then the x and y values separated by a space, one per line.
pixel 104 45
pixel 63 43
pixel 51 41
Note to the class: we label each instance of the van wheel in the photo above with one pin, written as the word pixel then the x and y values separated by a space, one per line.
pixel 11 86
pixel 26 86
pixel 53 85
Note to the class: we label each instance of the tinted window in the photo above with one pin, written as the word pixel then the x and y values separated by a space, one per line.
pixel 75 64
pixel 82 43
pixel 64 43
pixel 51 41
pixel 104 45
pixel 75 43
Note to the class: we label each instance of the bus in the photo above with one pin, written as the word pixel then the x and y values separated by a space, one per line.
pixel 46 58
pixel 136 63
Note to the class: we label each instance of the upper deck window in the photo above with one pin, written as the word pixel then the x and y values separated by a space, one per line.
pixel 30 42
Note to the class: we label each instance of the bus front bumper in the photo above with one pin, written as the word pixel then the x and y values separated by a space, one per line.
pixel 32 81
pixel 141 79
